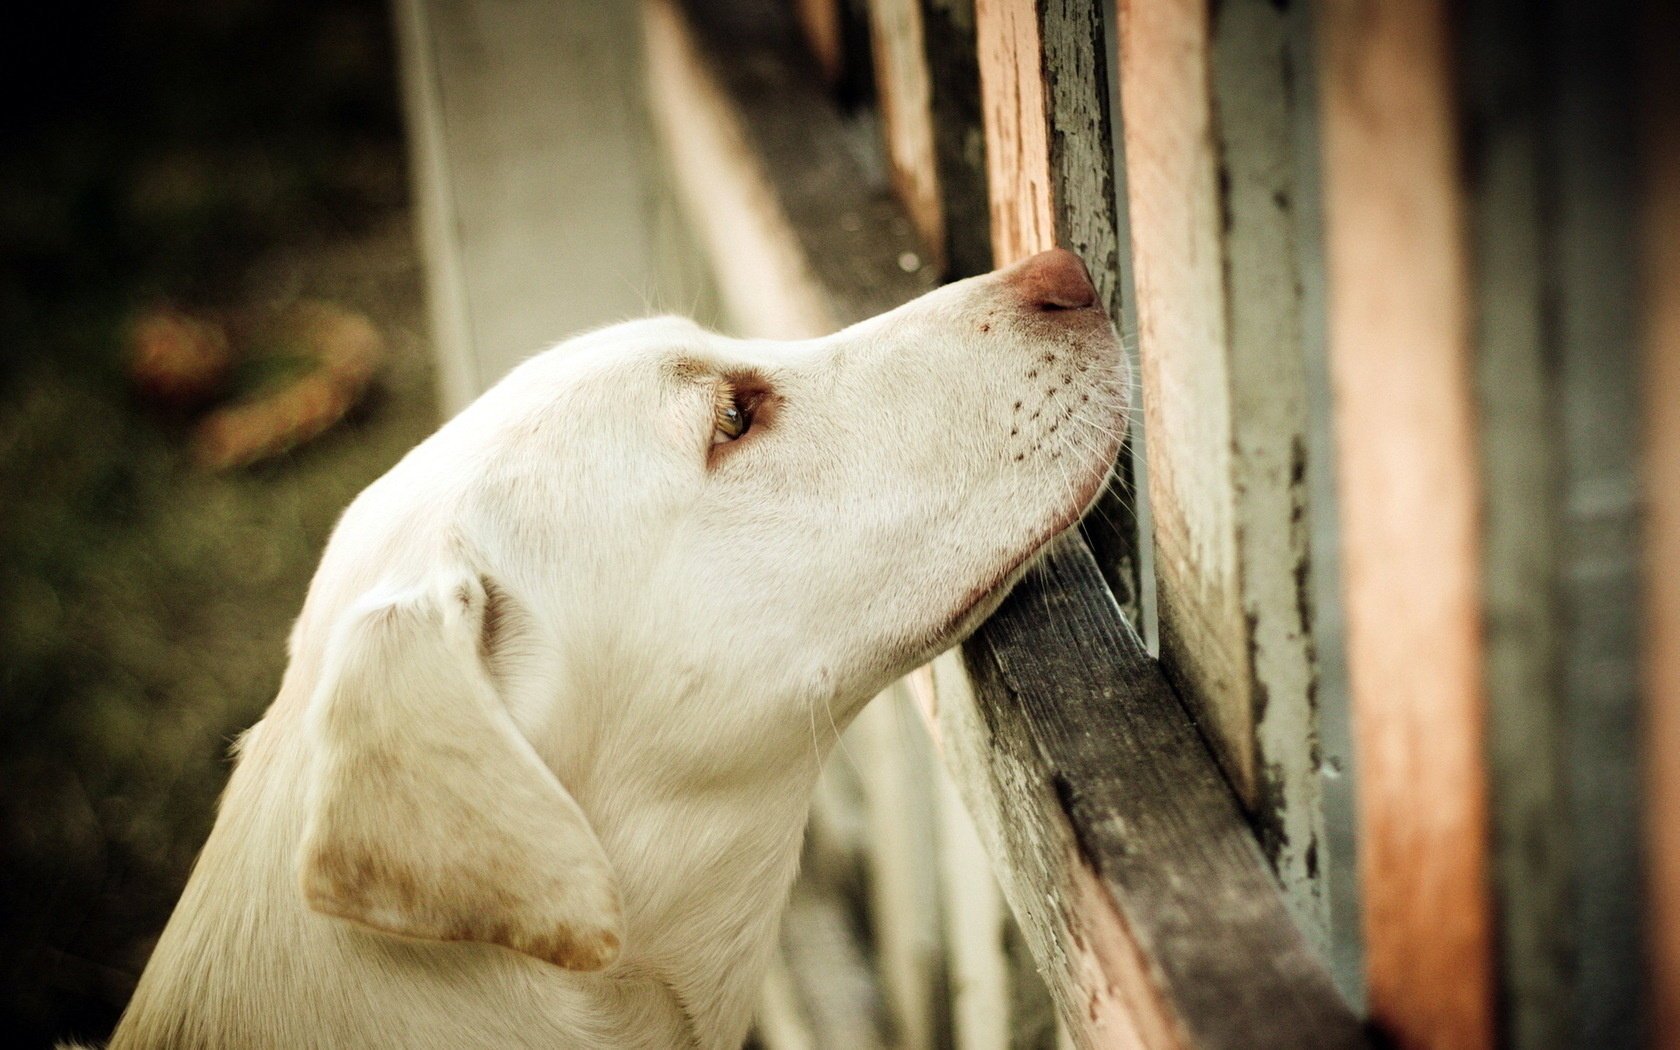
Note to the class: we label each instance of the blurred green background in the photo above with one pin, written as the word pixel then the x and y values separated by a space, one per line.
pixel 232 155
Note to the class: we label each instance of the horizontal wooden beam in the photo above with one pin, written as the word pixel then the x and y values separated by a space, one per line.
pixel 1119 845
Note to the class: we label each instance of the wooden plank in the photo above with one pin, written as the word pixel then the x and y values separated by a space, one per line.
pixel 1590 263
pixel 959 137
pixel 1050 167
pixel 1117 842
pixel 819 21
pixel 514 265
pixel 1399 338
pixel 1661 438
pixel 904 98
pixel 767 170
pixel 832 980
pixel 1503 89
pixel 1210 176
pixel 896 769
pixel 975 922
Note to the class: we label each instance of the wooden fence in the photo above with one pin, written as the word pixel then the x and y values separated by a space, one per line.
pixel 1351 717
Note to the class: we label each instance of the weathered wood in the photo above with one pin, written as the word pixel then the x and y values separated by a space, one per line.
pixel 1140 889
pixel 1399 338
pixel 1338 770
pixel 958 135
pixel 1050 164
pixel 767 171
pixel 1209 144
pixel 904 98
pixel 1661 636
pixel 1118 844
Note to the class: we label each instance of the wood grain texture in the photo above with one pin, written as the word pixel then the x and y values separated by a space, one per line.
pixel 1118 844
pixel 904 99
pixel 1661 433
pixel 1399 340
pixel 1211 180
pixel 1050 165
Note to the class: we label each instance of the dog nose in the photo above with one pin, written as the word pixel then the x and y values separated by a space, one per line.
pixel 1052 280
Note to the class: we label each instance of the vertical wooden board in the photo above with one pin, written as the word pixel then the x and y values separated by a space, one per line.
pixel 1253 73
pixel 429 170
pixel 1338 772
pixel 958 134
pixel 1211 181
pixel 1050 177
pixel 1594 310
pixel 1661 635
pixel 768 290
pixel 1399 329
pixel 515 86
pixel 820 22
pixel 1016 118
pixel 975 921
pixel 1172 186
pixel 1503 102
pixel 896 772
pixel 903 91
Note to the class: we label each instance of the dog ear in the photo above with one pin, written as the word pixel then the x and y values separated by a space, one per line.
pixel 430 815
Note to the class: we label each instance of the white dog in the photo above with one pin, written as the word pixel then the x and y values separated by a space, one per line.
pixel 538 771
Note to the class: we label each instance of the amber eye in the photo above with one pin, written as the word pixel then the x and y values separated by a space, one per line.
pixel 729 420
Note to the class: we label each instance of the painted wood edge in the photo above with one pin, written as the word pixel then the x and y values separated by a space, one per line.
pixel 1123 854
pixel 1399 343
pixel 1208 103
pixel 1255 116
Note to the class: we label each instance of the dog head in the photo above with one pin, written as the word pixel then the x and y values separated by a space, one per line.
pixel 665 549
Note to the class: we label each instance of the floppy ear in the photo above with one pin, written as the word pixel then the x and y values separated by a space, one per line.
pixel 430 815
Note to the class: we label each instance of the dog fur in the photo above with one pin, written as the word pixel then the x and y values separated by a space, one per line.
pixel 538 770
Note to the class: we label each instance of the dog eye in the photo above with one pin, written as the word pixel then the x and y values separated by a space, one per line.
pixel 729 419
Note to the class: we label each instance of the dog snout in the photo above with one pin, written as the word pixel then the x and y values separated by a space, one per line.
pixel 1052 280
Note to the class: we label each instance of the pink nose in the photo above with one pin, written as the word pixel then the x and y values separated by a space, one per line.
pixel 1052 280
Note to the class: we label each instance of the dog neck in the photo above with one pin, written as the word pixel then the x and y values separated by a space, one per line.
pixel 704 873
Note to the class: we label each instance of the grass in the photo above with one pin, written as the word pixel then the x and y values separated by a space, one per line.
pixel 235 154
